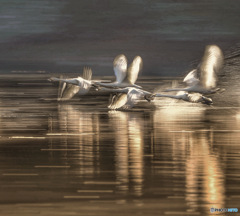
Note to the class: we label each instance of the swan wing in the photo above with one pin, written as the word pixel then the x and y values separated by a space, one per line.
pixel 69 92
pixel 210 66
pixel 191 78
pixel 120 67
pixel 134 69
pixel 118 101
pixel 60 94
pixel 61 86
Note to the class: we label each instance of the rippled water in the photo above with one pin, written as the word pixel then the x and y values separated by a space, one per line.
pixel 79 158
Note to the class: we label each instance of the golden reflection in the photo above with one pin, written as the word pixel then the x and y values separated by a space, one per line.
pixel 237 117
pixel 136 153
pixel 128 130
pixel 172 126
pixel 78 130
pixel 204 174
pixel 119 122
pixel 185 141
pixel 1 122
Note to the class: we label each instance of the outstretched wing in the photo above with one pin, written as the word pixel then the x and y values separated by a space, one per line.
pixel 69 92
pixel 87 73
pixel 120 67
pixel 211 64
pixel 134 68
pixel 191 78
pixel 61 90
pixel 61 86
pixel 118 101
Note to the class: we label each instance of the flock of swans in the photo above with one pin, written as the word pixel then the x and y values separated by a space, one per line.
pixel 201 82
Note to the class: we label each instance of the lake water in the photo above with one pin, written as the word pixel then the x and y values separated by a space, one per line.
pixel 79 158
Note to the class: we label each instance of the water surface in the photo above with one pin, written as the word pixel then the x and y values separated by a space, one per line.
pixel 79 158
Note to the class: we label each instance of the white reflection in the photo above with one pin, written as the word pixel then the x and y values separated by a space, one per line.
pixel 128 130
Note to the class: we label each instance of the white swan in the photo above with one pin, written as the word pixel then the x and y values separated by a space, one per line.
pixel 190 97
pixel 204 79
pixel 125 77
pixel 70 87
pixel 127 97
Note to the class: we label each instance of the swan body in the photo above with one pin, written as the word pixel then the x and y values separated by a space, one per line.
pixel 127 97
pixel 71 87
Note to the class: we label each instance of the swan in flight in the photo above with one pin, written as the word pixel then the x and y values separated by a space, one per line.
pixel 127 97
pixel 71 87
pixel 125 77
pixel 203 80
pixel 190 97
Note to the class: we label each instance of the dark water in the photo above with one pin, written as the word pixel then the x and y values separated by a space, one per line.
pixel 78 158
pixel 65 35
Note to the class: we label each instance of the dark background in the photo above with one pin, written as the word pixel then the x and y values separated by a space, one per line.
pixel 64 35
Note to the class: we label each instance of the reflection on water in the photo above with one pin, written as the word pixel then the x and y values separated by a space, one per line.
pixel 203 170
pixel 168 161
pixel 190 141
pixel 85 129
pixel 119 121
pixel 129 151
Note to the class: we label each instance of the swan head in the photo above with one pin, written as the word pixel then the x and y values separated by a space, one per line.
pixel 149 98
